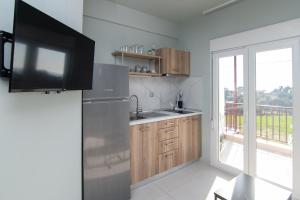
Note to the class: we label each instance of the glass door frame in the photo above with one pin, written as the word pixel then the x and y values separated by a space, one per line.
pixel 215 142
pixel 283 44
pixel 249 53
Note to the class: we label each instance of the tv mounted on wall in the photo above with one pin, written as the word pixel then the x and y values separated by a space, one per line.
pixel 48 55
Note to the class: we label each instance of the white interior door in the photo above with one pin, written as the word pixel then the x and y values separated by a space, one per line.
pixel 230 110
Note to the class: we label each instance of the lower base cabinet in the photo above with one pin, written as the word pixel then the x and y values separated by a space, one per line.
pixel 167 160
pixel 160 146
pixel 196 134
pixel 189 138
pixel 144 150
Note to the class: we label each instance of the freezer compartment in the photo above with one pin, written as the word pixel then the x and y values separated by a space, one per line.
pixel 109 82
pixel 106 149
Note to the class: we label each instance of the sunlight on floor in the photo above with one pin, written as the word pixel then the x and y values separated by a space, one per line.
pixel 270 166
pixel 232 154
pixel 218 183
pixel 198 181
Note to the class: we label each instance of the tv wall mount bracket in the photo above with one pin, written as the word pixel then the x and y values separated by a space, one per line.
pixel 5 37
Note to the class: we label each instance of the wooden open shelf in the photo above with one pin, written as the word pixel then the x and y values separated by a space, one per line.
pixel 151 58
pixel 140 74
pixel 136 55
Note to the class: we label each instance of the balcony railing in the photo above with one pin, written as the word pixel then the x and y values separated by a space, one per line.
pixel 273 123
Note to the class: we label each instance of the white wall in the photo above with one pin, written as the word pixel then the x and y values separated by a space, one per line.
pixel 112 25
pixel 197 33
pixel 114 13
pixel 40 135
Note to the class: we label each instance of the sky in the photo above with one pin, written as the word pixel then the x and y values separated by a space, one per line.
pixel 273 69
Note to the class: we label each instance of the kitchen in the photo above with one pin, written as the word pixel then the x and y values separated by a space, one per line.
pixel 171 114
pixel 165 101
pixel 162 74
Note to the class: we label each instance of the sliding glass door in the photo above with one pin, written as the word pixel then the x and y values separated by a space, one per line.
pixel 230 107
pixel 271 104
pixel 253 110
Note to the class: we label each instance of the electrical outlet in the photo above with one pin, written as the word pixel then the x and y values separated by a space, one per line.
pixel 151 94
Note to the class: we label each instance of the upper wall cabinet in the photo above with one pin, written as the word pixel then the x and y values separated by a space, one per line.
pixel 183 62
pixel 174 62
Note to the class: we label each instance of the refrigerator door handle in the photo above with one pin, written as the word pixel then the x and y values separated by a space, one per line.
pixel 109 90
pixel 91 101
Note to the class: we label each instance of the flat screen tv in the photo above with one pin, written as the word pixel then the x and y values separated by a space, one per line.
pixel 48 55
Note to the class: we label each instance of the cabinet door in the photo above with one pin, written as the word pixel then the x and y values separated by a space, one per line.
pixel 168 62
pixel 168 160
pixel 144 149
pixel 174 61
pixel 179 61
pixel 183 62
pixel 186 57
pixel 150 150
pixel 185 140
pixel 136 146
pixel 196 135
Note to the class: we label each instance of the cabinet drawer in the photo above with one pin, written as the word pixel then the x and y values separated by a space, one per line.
pixel 167 133
pixel 168 145
pixel 167 123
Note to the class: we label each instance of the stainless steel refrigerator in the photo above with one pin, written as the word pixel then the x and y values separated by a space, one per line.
pixel 106 150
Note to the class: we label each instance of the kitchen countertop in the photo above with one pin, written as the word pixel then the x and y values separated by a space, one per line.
pixel 170 115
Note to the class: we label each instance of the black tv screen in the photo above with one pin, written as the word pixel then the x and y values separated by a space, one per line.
pixel 48 55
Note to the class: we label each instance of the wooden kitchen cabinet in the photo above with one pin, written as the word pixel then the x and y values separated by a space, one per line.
pixel 159 146
pixel 174 62
pixel 168 61
pixel 189 136
pixel 144 151
pixel 183 62
pixel 168 160
pixel 168 144
pixel 186 140
pixel 196 135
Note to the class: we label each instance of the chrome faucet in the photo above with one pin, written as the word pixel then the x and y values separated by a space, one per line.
pixel 137 104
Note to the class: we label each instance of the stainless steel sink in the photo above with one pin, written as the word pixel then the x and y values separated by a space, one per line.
pixel 179 111
pixel 146 115
pixel 133 118
pixel 153 114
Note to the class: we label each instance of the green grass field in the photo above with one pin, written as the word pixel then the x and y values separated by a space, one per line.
pixel 269 126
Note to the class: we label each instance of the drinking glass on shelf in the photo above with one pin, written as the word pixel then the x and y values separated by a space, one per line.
pixel 136 48
pixel 141 49
pixel 137 68
pixel 132 49
pixel 125 48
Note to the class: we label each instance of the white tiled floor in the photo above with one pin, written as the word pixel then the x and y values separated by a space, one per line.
pixel 195 182
pixel 270 166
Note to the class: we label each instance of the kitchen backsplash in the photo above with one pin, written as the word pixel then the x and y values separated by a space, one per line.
pixel 161 92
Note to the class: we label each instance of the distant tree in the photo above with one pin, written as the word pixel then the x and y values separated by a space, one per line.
pixel 281 96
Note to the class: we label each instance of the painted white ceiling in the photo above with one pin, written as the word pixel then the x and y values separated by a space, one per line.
pixel 173 10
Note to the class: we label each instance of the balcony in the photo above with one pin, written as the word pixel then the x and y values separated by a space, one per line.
pixel 274 141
